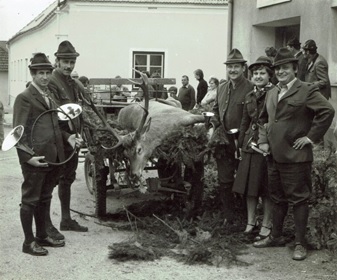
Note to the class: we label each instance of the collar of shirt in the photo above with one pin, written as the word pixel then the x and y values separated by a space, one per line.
pixel 288 85
pixel 40 90
pixel 186 86
pixel 237 82
pixel 284 88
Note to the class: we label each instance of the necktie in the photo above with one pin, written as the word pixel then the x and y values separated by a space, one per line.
pixel 283 90
pixel 46 98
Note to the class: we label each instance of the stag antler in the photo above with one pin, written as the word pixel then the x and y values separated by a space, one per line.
pixel 106 126
pixel 145 87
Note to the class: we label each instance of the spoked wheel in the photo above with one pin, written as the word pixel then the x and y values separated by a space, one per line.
pixel 89 172
pixel 96 179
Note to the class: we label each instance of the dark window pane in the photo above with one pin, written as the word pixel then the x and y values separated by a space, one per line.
pixel 155 60
pixel 140 59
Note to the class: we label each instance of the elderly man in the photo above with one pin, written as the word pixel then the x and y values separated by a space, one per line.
pixel 45 140
pixel 66 90
pixel 317 71
pixel 295 115
pixel 228 109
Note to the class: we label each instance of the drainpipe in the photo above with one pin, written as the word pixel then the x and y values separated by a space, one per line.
pixel 230 26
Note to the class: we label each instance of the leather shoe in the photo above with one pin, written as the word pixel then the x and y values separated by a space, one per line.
pixel 72 225
pixel 300 252
pixel 54 233
pixel 270 242
pixel 50 242
pixel 34 249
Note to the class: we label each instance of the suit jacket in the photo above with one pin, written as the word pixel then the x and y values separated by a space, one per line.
pixel 46 137
pixel 317 72
pixel 66 90
pixel 228 106
pixel 302 65
pixel 254 102
pixel 302 111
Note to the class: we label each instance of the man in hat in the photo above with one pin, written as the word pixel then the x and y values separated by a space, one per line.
pixel 66 90
pixel 317 70
pixel 295 115
pixel 45 139
pixel 294 46
pixel 228 109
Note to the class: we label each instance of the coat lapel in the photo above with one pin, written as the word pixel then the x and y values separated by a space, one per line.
pixel 38 96
pixel 292 90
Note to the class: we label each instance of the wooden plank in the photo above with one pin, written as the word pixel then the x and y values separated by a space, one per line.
pixel 125 81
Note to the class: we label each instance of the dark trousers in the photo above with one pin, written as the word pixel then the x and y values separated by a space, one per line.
pixel 36 189
pixel 67 178
pixel 290 183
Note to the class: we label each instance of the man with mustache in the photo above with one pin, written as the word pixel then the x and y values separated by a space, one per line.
pixel 294 116
pixel 66 90
pixel 228 109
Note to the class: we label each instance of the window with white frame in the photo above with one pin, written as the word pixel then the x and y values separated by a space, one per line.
pixel 153 62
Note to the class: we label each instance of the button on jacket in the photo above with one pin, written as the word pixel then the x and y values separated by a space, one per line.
pixel 302 111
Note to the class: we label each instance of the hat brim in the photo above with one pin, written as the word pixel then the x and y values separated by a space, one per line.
pixel 42 66
pixel 232 61
pixel 284 61
pixel 67 55
pixel 260 63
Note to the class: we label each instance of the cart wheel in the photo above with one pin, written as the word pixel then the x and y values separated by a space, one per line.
pixel 96 179
pixel 101 189
pixel 89 172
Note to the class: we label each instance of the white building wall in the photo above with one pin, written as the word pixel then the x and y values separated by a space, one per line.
pixel 105 35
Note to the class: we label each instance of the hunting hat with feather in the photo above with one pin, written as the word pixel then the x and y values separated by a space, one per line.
pixel 235 56
pixel 66 50
pixel 284 56
pixel 40 62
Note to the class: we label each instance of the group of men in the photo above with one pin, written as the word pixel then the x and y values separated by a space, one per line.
pixel 51 159
pixel 296 114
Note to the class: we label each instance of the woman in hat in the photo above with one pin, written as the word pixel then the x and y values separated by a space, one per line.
pixel 251 177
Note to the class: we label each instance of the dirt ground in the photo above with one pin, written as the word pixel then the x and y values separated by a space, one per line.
pixel 85 255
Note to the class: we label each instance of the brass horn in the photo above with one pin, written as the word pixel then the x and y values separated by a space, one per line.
pixel 13 140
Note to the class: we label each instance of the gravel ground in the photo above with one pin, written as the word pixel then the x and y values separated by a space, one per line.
pixel 85 255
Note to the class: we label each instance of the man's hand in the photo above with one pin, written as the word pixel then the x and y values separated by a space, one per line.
pixel 36 161
pixel 301 142
pixel 264 147
pixel 75 140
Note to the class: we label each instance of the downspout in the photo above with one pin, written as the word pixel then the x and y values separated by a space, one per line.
pixel 230 26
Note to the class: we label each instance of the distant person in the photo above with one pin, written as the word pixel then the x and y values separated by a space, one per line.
pixel 295 115
pixel 159 89
pixel 210 96
pixel 294 46
pixel 74 75
pixel 202 85
pixel 172 98
pixel 85 81
pixel 186 94
pixel 271 53
pixel 317 71
pixel 119 92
